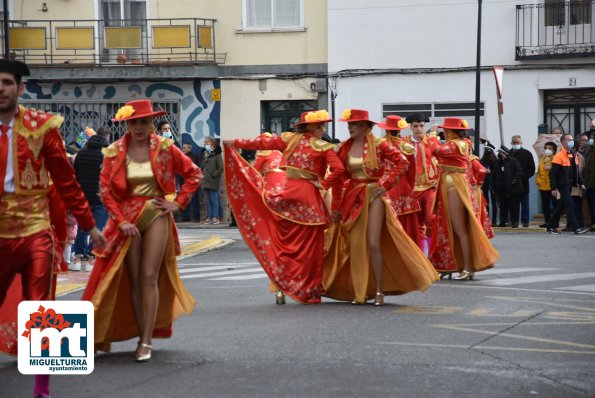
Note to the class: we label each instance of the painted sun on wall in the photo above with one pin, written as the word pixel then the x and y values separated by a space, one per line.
pixel 190 108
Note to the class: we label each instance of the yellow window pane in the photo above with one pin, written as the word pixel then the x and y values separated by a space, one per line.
pixel 123 37
pixel 27 38
pixel 80 38
pixel 204 37
pixel 171 36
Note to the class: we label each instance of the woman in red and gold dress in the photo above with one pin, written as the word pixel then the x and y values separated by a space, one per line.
pixel 267 163
pixel 135 286
pixel 284 226
pixel 459 242
pixel 370 254
pixel 401 196
pixel 477 175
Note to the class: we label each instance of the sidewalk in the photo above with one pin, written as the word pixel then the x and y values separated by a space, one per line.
pixel 194 238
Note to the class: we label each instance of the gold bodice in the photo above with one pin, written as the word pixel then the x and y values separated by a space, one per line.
pixel 140 178
pixel 356 168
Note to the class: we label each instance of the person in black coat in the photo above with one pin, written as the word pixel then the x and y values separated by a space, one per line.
pixel 87 165
pixel 489 161
pixel 506 182
pixel 527 163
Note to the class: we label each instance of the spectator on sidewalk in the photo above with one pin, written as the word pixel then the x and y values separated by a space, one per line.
pixel 563 171
pixel 589 178
pixel 527 164
pixel 212 168
pixel 489 161
pixel 548 202
pixel 164 129
pixel 508 187
pixel 195 201
pixel 87 165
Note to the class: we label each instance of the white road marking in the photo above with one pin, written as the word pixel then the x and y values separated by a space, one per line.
pixel 538 278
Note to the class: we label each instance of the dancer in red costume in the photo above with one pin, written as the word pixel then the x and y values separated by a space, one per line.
pixel 370 254
pixel 426 176
pixel 401 196
pixel 135 285
pixel 459 242
pixel 31 151
pixel 284 227
pixel 477 175
pixel 268 163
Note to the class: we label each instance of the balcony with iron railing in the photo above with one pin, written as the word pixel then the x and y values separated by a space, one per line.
pixel 555 29
pixel 120 42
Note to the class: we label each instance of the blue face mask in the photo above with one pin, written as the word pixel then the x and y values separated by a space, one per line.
pixel 570 144
pixel 167 134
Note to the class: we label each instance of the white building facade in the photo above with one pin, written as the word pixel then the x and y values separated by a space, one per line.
pixel 403 56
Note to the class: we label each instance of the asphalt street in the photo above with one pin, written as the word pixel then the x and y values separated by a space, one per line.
pixel 523 329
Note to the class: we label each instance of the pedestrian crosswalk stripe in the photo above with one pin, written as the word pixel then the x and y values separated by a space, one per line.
pixel 581 288
pixel 209 274
pixel 229 267
pixel 240 277
pixel 506 271
pixel 538 278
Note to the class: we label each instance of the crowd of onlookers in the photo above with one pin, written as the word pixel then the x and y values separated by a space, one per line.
pixel 564 177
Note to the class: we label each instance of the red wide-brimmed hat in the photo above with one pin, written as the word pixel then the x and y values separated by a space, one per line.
pixel 394 122
pixel 355 115
pixel 455 123
pixel 135 110
pixel 320 116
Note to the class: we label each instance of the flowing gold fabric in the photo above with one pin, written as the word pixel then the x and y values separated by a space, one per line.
pixel 348 273
pixel 371 159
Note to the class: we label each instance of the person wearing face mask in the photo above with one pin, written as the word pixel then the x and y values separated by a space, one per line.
pixel 562 173
pixel 212 167
pixel 527 164
pixel 548 202
pixel 589 179
pixel 508 187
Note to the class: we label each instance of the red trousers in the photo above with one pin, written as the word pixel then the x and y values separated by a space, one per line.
pixel 425 216
pixel 31 258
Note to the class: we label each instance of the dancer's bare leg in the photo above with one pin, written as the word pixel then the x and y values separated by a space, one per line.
pixel 153 248
pixel 375 220
pixel 133 266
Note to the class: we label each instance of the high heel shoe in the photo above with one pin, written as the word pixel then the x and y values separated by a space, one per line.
pixel 356 302
pixel 445 274
pixel 379 299
pixel 464 276
pixel 144 357
pixel 280 298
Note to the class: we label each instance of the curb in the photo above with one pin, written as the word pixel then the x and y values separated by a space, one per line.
pixel 65 287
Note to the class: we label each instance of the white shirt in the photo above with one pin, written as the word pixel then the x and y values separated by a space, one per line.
pixel 9 176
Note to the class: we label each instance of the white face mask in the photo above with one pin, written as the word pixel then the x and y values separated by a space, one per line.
pixel 167 134
pixel 208 148
pixel 590 142
pixel 516 147
pixel 548 152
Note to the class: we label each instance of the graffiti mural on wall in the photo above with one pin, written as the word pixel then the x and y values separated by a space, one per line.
pixel 191 111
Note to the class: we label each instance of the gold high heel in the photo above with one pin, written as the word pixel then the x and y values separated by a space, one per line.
pixel 464 276
pixel 144 357
pixel 379 299
pixel 355 302
pixel 280 298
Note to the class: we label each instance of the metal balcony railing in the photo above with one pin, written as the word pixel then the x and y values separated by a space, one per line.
pixel 114 42
pixel 555 29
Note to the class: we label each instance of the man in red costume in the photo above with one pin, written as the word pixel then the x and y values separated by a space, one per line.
pixel 426 175
pixel 31 152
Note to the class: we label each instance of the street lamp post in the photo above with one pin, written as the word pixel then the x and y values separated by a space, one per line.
pixel 477 81
pixel 5 22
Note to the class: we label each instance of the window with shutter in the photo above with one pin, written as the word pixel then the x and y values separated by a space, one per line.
pixel 271 14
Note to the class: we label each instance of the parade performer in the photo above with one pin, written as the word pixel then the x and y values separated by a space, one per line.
pixel 459 243
pixel 426 176
pixel 401 195
pixel 135 285
pixel 284 226
pixel 477 175
pixel 31 152
pixel 370 254
pixel 267 163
